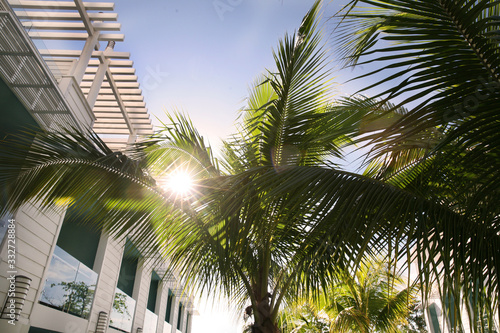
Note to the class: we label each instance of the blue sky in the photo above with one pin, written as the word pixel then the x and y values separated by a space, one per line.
pixel 199 57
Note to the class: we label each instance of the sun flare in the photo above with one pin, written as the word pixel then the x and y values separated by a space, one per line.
pixel 179 182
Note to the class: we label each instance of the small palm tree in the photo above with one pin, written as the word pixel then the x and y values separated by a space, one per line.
pixel 373 299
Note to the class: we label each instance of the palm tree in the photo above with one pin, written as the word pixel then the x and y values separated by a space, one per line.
pixel 372 299
pixel 441 65
pixel 306 317
pixel 272 221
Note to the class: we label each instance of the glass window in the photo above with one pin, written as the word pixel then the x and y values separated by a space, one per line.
pixel 434 318
pixel 170 300
pixel 179 319
pixel 69 286
pixel 153 291
pixel 4 222
pixel 122 312
pixel 128 268
pixel 78 238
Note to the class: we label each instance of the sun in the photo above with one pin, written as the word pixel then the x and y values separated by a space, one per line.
pixel 179 182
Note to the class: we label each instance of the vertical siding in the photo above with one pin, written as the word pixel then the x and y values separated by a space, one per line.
pixel 141 292
pixel 161 305
pixel 175 312
pixel 36 235
pixel 107 265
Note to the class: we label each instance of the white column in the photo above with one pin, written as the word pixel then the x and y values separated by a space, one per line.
pixel 189 324
pixel 107 264
pixel 141 293
pixel 80 66
pixel 175 312
pixel 99 76
pixel 161 305
pixel 184 320
pixel 97 83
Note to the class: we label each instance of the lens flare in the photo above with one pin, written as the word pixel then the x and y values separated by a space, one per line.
pixel 179 182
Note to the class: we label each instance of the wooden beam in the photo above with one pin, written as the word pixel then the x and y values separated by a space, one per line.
pixel 74 36
pixel 48 25
pixel 113 63
pixel 60 5
pixel 85 18
pixel 117 131
pixel 115 125
pixel 115 109
pixel 137 121
pixel 115 115
pixel 86 84
pixel 114 70
pixel 77 53
pixel 123 92
pixel 118 78
pixel 118 115
pixel 102 97
pixel 114 131
pixel 121 104
pixel 65 16
pixel 115 103
pixel 139 110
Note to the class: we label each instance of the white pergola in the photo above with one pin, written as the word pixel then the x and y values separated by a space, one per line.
pixel 87 85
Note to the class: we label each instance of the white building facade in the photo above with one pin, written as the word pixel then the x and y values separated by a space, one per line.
pixel 55 274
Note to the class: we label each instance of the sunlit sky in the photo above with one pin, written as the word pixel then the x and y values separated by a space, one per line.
pixel 199 57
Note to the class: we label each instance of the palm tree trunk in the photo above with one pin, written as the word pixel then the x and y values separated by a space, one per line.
pixel 263 320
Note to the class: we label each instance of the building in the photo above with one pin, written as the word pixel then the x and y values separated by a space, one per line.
pixel 55 275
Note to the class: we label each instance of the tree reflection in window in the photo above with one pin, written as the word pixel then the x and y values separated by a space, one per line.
pixel 69 286
pixel 122 312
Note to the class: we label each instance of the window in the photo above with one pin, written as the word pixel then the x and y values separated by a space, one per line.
pixel 77 238
pixel 128 268
pixel 123 309
pixel 4 222
pixel 170 300
pixel 69 286
pixel 179 319
pixel 15 118
pixel 434 318
pixel 70 283
pixel 153 291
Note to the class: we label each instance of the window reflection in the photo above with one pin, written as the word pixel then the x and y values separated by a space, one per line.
pixel 122 312
pixel 69 286
pixel 4 222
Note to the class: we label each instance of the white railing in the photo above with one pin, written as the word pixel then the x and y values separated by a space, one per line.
pixel 150 322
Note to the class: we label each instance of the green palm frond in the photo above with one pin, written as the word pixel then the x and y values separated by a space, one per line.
pixel 110 189
pixel 180 145
pixel 283 110
pixel 441 62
